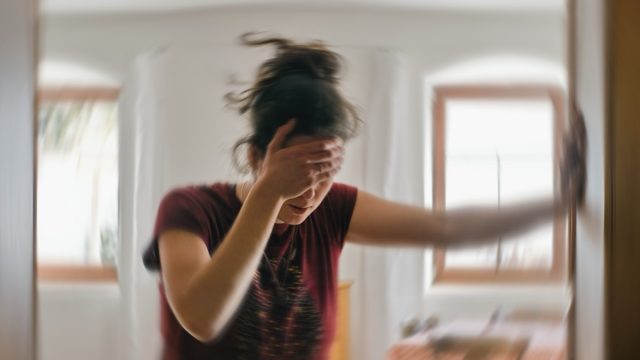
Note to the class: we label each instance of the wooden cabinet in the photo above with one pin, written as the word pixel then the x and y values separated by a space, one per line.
pixel 341 346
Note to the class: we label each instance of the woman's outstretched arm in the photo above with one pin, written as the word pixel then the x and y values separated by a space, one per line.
pixel 376 221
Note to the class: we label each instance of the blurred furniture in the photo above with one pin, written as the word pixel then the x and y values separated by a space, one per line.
pixel 533 314
pixel 340 348
pixel 482 340
pixel 414 325
pixel 480 347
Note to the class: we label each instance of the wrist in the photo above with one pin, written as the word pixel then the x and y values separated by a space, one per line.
pixel 264 192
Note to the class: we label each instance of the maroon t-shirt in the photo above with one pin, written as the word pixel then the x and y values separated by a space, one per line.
pixel 289 311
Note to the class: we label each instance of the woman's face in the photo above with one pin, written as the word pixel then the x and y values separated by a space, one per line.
pixel 295 211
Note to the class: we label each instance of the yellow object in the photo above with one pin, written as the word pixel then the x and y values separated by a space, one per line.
pixel 341 347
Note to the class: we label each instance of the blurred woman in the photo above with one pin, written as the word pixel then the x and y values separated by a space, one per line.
pixel 250 270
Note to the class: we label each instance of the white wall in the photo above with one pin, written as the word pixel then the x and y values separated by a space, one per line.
pixel 590 90
pixel 479 302
pixel 78 321
pixel 432 41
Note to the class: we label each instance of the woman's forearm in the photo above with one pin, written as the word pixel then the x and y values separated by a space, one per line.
pixel 215 293
pixel 381 222
pixel 470 226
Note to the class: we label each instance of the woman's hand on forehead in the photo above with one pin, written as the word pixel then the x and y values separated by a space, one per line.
pixel 305 162
pixel 315 145
pixel 318 152
pixel 297 139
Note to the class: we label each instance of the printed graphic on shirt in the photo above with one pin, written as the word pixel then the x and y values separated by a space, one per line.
pixel 277 324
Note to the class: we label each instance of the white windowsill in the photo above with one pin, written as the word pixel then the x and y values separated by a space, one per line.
pixel 85 291
pixel 494 289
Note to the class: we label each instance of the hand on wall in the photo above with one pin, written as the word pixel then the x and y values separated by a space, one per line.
pixel 573 159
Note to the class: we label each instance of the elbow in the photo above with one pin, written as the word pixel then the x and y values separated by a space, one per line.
pixel 205 333
pixel 206 328
pixel 205 337
pixel 205 324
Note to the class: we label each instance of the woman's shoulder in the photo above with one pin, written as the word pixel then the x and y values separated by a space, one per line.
pixel 341 190
pixel 340 199
pixel 214 198
pixel 203 191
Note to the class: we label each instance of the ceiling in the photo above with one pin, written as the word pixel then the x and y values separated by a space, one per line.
pixel 128 6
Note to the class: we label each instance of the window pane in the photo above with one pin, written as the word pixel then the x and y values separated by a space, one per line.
pixel 504 126
pixel 498 152
pixel 521 179
pixel 477 257
pixel 533 250
pixel 77 182
pixel 461 190
pixel 525 177
pixel 471 180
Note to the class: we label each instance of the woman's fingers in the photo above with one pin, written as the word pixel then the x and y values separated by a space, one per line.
pixel 580 130
pixel 578 144
pixel 315 148
pixel 327 167
pixel 295 168
pixel 573 164
pixel 279 138
pixel 324 156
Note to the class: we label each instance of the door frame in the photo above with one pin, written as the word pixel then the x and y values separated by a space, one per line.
pixel 18 63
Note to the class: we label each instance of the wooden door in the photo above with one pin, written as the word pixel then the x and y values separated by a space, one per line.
pixel 622 251
pixel 605 55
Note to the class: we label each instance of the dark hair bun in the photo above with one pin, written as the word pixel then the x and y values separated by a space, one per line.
pixel 300 81
pixel 312 59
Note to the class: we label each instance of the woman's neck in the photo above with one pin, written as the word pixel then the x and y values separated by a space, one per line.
pixel 242 190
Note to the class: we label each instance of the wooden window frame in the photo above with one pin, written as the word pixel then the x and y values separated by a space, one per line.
pixel 442 94
pixel 65 272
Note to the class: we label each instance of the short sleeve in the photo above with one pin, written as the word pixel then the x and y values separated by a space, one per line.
pixel 342 202
pixel 180 209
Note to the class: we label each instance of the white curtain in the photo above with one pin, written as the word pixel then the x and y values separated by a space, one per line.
pixel 174 131
pixel 140 189
pixel 390 280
